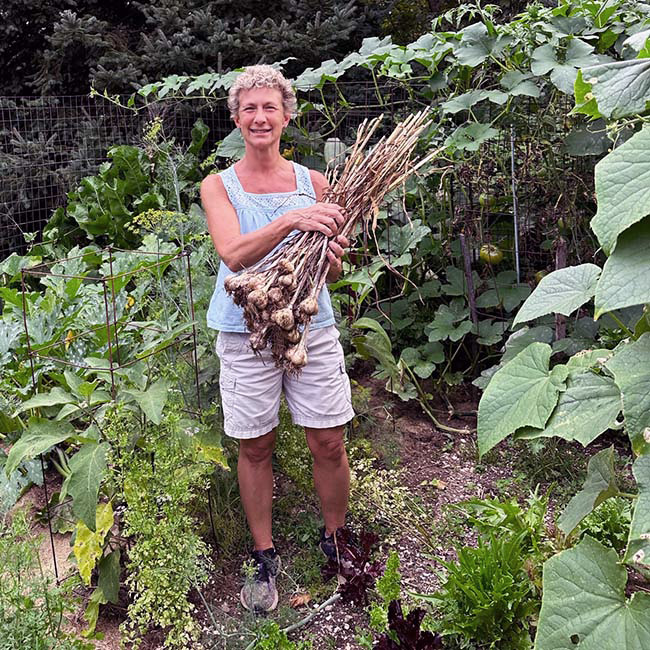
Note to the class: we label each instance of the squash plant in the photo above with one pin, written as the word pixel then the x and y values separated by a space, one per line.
pixel 584 603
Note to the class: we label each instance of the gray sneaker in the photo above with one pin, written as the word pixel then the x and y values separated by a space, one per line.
pixel 259 594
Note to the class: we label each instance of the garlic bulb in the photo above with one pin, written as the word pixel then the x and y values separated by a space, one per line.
pixel 287 280
pixel 296 355
pixel 286 266
pixel 275 295
pixel 259 298
pixel 309 306
pixel 293 336
pixel 283 318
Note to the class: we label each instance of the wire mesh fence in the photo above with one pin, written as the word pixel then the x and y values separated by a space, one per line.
pixel 48 144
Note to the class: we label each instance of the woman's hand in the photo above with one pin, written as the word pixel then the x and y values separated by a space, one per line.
pixel 327 218
pixel 335 252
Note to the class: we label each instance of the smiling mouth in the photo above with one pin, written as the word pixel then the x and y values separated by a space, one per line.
pixel 260 130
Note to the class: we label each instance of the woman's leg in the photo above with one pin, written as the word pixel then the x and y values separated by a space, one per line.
pixel 256 486
pixel 331 474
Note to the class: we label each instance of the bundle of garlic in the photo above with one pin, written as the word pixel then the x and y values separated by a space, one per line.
pixel 279 294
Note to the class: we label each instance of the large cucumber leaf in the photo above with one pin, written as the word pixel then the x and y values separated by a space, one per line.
pixel 588 407
pixel 624 282
pixel 560 292
pixel 622 189
pixel 584 604
pixel 599 486
pixel 614 89
pixel 522 393
pixel 630 366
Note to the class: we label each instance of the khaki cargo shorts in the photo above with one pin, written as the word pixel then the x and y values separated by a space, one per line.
pixel 251 385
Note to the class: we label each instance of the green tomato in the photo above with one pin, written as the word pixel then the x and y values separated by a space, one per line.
pixel 487 200
pixel 491 254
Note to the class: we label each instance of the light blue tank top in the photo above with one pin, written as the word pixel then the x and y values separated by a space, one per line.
pixel 255 211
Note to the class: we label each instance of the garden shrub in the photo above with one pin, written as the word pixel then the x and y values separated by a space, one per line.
pixel 168 557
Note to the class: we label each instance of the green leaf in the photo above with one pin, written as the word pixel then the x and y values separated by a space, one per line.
pixel 588 140
pixel 522 393
pixel 638 546
pixel 40 435
pixel 518 83
pixel 232 146
pixel 464 102
pixel 543 59
pixel 371 324
pixel 563 66
pixel 599 486
pixel 636 43
pixel 588 407
pixel 584 604
pixel 560 292
pixel 87 468
pixel 88 545
pixel 523 337
pixel 490 332
pixel 91 613
pixel 444 325
pixel 471 137
pixel 153 400
pixel 620 88
pixel 457 284
pixel 624 281
pixel 630 366
pixel 109 575
pixel 622 189
pixel 477 44
pixel 56 396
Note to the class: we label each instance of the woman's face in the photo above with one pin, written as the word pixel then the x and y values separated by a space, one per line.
pixel 261 116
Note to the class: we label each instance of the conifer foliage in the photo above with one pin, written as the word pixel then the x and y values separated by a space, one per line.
pixel 64 46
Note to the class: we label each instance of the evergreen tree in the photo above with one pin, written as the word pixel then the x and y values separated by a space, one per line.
pixel 64 46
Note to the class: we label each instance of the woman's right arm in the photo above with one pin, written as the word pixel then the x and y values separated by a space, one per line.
pixel 242 251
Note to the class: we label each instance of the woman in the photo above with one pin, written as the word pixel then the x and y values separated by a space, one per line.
pixel 251 208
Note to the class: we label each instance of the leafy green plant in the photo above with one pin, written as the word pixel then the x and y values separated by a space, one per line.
pixel 609 523
pixel 493 517
pixel 487 599
pixel 582 398
pixel 138 180
pixel 167 557
pixel 33 608
pixel 271 637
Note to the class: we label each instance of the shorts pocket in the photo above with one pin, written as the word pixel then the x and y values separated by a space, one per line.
pixel 230 343
pixel 228 389
pixel 345 382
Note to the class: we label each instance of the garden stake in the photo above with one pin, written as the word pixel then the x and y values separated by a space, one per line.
pixel 515 211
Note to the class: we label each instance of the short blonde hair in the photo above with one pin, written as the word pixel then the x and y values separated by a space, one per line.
pixel 262 76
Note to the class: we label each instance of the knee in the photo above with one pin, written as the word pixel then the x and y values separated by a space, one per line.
pixel 257 451
pixel 327 449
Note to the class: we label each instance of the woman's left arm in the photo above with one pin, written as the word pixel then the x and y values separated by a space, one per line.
pixel 337 244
